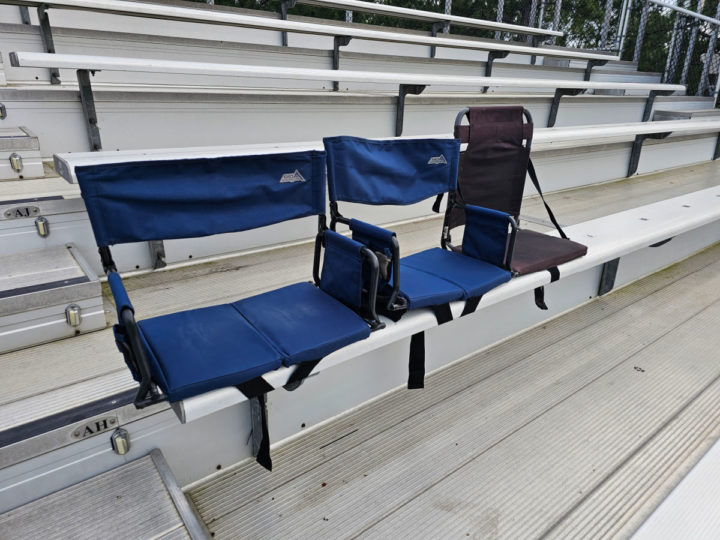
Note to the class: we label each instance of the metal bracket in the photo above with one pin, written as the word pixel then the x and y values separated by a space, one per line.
pixel 492 56
pixel 157 254
pixel 88 105
pixel 536 40
pixel 716 152
pixel 3 111
pixel 555 105
pixel 637 148
pixel 590 65
pixel 47 37
pixel 607 278
pixel 284 6
pixel 436 27
pixel 24 14
pixel 404 90
pixel 651 100
pixel 338 41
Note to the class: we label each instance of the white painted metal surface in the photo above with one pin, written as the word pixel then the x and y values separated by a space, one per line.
pixel 65 163
pixel 138 9
pixel 687 12
pixel 416 14
pixel 70 61
pixel 607 238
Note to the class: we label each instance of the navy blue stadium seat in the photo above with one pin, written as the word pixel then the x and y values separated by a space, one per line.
pixel 406 171
pixel 402 172
pixel 188 353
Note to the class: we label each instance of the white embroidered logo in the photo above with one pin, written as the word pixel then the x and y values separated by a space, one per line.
pixel 438 160
pixel 289 178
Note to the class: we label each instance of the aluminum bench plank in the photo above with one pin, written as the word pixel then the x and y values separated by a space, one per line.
pixel 83 62
pixel 139 9
pixel 421 15
pixel 65 163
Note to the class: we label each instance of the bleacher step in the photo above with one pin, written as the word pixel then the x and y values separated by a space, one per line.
pixel 19 154
pixel 688 114
pixel 47 295
pixel 140 499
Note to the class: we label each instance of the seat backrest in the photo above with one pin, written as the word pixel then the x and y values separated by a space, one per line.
pixel 393 171
pixel 161 200
pixel 494 166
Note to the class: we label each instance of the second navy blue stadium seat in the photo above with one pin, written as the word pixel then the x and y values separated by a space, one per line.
pixel 403 172
pixel 191 352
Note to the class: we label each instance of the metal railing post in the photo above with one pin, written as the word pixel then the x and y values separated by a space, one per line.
pixel 641 30
pixel 606 24
pixel 501 5
pixel 556 18
pixel 709 58
pixel 671 49
pixel 691 45
pixel 348 16
pixel 623 28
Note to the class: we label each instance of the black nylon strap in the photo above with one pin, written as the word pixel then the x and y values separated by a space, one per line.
pixel 540 298
pixel 255 387
pixel 436 204
pixel 300 374
pixel 416 366
pixel 443 313
pixel 554 274
pixel 255 390
pixel 471 305
pixel 533 177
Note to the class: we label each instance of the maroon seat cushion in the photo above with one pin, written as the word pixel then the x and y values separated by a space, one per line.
pixel 536 251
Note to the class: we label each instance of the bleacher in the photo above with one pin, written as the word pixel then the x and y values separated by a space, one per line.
pixel 104 100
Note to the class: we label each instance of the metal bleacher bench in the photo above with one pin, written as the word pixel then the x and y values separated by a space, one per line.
pixel 340 34
pixel 408 83
pixel 607 238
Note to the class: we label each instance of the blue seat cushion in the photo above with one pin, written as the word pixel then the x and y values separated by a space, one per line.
pixel 303 322
pixel 422 289
pixel 475 277
pixel 199 350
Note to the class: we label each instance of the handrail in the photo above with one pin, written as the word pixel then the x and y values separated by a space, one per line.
pixel 422 15
pixel 686 12
pixel 141 9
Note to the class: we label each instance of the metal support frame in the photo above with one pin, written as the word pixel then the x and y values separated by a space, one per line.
pixel 492 56
pixel 607 278
pixel 157 254
pixel 47 37
pixel 534 42
pixel 590 65
pixel 437 26
pixel 716 152
pixel 88 105
pixel 338 41
pixel 637 148
pixel 555 105
pixel 651 100
pixel 403 91
pixel 24 14
pixel 3 111
pixel 285 5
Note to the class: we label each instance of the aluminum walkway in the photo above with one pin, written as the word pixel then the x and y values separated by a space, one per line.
pixel 579 428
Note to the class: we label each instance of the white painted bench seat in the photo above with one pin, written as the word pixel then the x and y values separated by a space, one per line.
pixel 421 15
pixel 174 13
pixel 607 238
pixel 557 137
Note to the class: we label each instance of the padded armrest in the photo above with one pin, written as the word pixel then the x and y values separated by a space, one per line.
pixel 120 295
pixel 487 237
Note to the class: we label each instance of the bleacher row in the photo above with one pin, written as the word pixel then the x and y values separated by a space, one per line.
pixel 142 100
